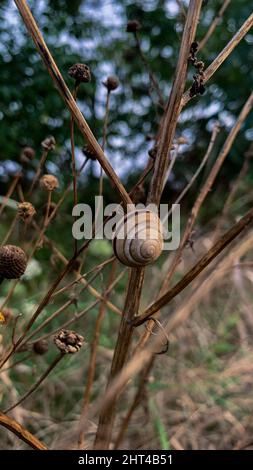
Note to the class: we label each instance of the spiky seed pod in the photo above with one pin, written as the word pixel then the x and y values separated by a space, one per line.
pixel 5 315
pixel 111 83
pixel 49 182
pixel 26 211
pixel 13 262
pixel 48 143
pixel 40 347
pixel 80 73
pixel 68 342
pixel 89 152
pixel 133 26
pixel 27 154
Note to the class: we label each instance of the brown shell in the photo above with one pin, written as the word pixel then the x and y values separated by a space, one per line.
pixel 138 239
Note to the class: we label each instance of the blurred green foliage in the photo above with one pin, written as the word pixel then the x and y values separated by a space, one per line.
pixel 94 32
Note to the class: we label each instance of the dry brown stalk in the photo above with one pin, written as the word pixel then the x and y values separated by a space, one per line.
pixel 138 361
pixel 54 72
pixel 214 135
pixel 210 255
pixel 106 419
pixel 174 104
pixel 38 383
pixel 93 357
pixel 207 187
pixel 10 191
pixel 131 306
pixel 231 195
pixel 135 403
pixel 38 171
pixel 21 432
pixel 214 24
pixel 223 55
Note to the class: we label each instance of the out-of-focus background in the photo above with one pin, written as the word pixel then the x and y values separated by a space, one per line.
pixel 199 395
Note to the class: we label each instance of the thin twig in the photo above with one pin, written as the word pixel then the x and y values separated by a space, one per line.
pixel 21 432
pixel 37 384
pixel 174 105
pixel 214 24
pixel 211 254
pixel 228 49
pixel 64 91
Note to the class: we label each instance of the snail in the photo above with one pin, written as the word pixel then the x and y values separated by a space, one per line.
pixel 138 238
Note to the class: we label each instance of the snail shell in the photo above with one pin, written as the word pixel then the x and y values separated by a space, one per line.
pixel 138 239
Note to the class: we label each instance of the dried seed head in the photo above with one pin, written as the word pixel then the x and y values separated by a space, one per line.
pixel 13 262
pixel 68 342
pixel 111 83
pixel 182 140
pixel 133 26
pixel 89 152
pixel 49 210
pixel 5 316
pixel 48 143
pixel 80 73
pixel 26 211
pixel 40 347
pixel 49 182
pixel 27 154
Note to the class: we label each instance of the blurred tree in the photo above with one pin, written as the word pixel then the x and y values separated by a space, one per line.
pixel 94 32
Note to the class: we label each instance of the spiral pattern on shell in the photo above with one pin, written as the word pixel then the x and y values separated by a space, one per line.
pixel 13 262
pixel 138 238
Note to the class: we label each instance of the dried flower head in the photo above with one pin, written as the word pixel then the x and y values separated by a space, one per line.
pixel 48 143
pixel 13 262
pixel 68 342
pixel 49 182
pixel 40 347
pixel 89 152
pixel 26 211
pixel 80 72
pixel 182 140
pixel 27 154
pixel 133 26
pixel 5 315
pixel 111 83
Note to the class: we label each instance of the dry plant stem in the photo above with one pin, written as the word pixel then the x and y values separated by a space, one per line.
pixel 211 254
pixel 68 98
pixel 58 311
pixel 230 197
pixel 21 361
pixel 10 231
pixel 10 192
pixel 22 433
pixel 215 132
pixel 135 403
pixel 38 171
pixel 228 49
pixel 106 419
pixel 188 306
pixel 38 383
pixel 73 159
pixel 207 187
pixel 93 357
pixel 174 105
pixel 131 306
pixel 214 24
pixel 75 318
pixel 152 78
